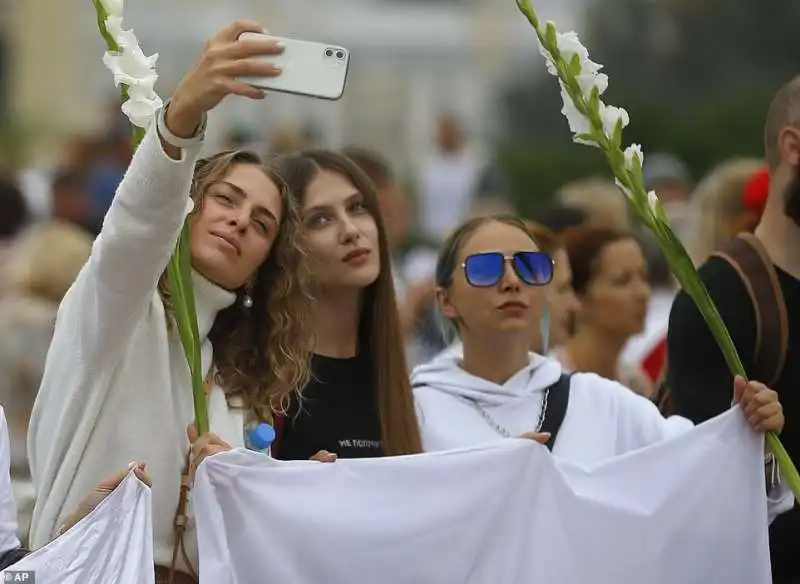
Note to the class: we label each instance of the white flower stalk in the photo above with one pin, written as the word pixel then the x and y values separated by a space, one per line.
pixel 135 74
pixel 596 124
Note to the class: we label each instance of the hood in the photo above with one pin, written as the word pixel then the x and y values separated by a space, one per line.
pixel 444 374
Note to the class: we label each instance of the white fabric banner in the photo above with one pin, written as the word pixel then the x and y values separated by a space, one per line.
pixel 111 545
pixel 691 510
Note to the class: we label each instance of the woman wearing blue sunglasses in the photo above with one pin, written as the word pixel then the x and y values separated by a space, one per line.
pixel 490 286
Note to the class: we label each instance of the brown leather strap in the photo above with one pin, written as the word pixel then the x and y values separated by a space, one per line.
pixel 179 523
pixel 747 256
pixel 181 517
pixel 166 576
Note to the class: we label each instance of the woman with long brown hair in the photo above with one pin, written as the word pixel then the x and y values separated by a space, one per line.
pixel 116 386
pixel 359 402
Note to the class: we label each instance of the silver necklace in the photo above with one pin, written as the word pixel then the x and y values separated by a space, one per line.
pixel 501 429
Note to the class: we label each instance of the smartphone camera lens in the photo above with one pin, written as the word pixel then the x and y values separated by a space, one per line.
pixel 329 53
pixel 339 54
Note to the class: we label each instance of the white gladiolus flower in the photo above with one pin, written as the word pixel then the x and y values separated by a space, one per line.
pixel 569 44
pixel 142 111
pixel 141 105
pixel 134 70
pixel 590 80
pixel 631 152
pixel 113 7
pixel 578 123
pixel 123 38
pixel 611 115
pixel 130 66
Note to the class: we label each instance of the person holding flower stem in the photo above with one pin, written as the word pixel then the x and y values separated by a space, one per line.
pixel 755 282
pixel 116 385
pixel 593 123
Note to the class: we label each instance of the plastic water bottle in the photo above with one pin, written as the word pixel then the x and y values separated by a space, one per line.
pixel 260 437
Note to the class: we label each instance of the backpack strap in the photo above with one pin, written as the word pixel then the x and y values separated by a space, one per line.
pixel 556 408
pixel 747 256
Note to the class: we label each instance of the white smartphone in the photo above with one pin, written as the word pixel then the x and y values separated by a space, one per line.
pixel 308 68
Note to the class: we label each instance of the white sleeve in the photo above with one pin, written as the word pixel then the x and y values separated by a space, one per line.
pixel 640 423
pixel 139 233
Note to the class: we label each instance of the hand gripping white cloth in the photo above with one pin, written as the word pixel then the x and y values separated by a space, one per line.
pixel 690 510
pixel 111 545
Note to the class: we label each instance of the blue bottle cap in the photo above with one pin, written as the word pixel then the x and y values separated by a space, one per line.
pixel 262 436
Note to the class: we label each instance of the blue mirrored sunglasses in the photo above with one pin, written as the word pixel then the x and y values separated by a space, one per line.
pixel 534 268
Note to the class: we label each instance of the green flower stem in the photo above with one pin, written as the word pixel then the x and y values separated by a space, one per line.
pixel 179 273
pixel 655 219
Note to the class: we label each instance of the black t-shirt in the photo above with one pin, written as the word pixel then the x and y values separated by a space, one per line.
pixel 337 413
pixel 702 385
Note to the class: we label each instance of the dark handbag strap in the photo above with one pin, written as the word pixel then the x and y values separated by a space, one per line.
pixel 747 256
pixel 556 408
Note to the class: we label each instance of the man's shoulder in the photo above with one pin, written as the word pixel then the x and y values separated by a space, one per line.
pixel 723 282
pixel 717 270
pixel 731 299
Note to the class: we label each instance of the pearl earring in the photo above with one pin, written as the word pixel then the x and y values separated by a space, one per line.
pixel 247 302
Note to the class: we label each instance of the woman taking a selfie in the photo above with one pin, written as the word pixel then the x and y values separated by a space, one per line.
pixel 358 403
pixel 490 277
pixel 116 386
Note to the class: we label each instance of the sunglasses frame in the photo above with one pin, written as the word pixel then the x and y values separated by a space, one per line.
pixel 508 260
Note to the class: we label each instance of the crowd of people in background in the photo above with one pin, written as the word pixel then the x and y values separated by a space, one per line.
pixel 611 305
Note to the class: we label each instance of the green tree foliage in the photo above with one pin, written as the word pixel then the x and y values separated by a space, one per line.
pixel 695 75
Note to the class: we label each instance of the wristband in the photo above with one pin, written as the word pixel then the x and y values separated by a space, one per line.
pixel 175 141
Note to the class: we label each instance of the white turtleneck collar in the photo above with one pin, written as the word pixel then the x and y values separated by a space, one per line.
pixel 209 300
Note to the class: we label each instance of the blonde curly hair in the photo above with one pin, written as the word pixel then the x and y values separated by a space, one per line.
pixel 261 353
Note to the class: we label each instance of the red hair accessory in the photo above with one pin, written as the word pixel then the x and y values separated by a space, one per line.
pixel 756 191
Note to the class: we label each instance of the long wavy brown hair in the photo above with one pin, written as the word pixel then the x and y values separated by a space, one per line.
pixel 261 353
pixel 380 333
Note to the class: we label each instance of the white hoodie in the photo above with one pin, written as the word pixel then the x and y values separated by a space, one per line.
pixel 604 419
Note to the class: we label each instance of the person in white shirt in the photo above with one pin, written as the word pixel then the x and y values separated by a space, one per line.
pixel 116 384
pixel 490 277
pixel 447 181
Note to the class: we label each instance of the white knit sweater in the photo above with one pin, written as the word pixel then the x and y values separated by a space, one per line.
pixel 116 386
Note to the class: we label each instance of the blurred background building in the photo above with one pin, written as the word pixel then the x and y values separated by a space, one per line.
pixel 411 60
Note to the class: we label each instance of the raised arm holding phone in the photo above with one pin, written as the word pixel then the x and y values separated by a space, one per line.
pixel 116 385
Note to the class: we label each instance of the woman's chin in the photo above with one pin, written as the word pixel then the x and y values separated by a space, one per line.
pixel 216 272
